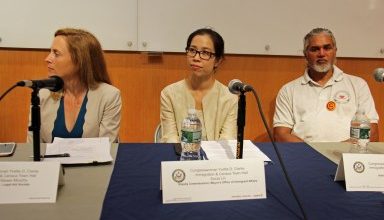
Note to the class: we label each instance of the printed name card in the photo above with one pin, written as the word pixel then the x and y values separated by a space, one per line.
pixel 212 180
pixel 29 182
pixel 361 172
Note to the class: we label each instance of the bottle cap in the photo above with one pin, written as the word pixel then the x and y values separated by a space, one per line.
pixel 191 111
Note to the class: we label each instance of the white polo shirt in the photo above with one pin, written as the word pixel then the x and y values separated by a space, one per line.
pixel 302 106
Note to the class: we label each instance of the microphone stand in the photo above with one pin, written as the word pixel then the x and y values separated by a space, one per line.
pixel 36 122
pixel 278 155
pixel 240 125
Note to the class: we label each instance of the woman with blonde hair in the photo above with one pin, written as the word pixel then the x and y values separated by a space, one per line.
pixel 88 105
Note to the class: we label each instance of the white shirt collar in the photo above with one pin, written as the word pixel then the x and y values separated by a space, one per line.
pixel 336 77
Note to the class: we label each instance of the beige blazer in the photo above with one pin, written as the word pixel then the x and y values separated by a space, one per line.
pixel 102 118
pixel 219 110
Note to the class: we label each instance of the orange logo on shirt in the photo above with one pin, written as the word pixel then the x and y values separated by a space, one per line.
pixel 331 105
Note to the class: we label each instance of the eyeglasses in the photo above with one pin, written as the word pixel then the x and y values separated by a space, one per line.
pixel 204 55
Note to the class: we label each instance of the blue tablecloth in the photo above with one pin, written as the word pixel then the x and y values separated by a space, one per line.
pixel 134 189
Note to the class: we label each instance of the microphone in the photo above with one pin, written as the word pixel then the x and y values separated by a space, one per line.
pixel 235 86
pixel 378 73
pixel 53 83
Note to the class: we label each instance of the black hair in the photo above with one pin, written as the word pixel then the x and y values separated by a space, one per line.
pixel 218 41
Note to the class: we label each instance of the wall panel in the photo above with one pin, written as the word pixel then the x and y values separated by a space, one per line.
pixel 141 78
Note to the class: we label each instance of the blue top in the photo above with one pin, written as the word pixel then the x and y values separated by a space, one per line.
pixel 59 128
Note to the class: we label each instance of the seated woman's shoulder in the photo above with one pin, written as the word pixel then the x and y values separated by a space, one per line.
pixel 44 92
pixel 225 95
pixel 175 86
pixel 108 88
pixel 225 89
pixel 105 90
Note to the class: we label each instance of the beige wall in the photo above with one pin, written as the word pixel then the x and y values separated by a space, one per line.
pixel 141 77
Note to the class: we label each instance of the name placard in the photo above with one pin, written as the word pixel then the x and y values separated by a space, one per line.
pixel 361 172
pixel 218 180
pixel 29 182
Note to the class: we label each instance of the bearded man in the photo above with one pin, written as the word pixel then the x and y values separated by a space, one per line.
pixel 319 105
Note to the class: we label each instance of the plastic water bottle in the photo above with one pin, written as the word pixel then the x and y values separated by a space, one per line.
pixel 191 137
pixel 360 131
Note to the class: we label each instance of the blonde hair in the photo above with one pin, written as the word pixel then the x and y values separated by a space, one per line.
pixel 87 55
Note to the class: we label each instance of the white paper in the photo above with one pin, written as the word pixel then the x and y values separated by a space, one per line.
pixel 226 149
pixel 339 176
pixel 363 172
pixel 212 180
pixel 81 150
pixel 29 182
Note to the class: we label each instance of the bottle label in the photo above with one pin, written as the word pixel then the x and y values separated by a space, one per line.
pixel 360 133
pixel 191 136
pixel 364 133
